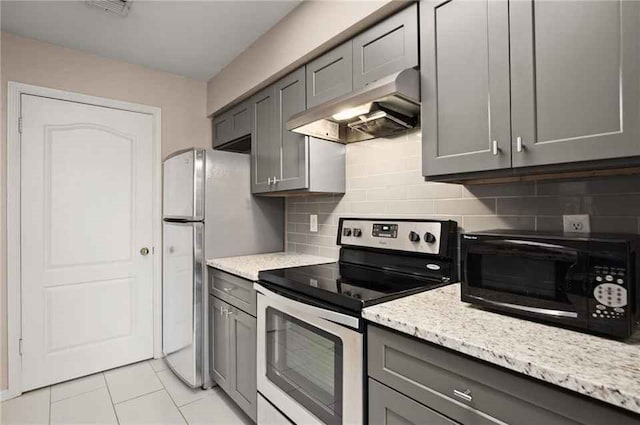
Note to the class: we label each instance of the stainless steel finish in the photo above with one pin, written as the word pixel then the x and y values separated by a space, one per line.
pixel 494 147
pixel 144 251
pixel 267 414
pixel 543 311
pixel 401 243
pixel 399 92
pixel 224 178
pixel 321 313
pixel 519 145
pixel 353 352
pixel 189 362
pixel 464 395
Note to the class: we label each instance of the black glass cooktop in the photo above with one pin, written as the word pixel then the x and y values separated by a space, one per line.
pixel 351 287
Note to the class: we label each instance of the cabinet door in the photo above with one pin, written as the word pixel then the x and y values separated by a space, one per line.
pixel 265 142
pixel 240 117
pixel 465 86
pixel 244 391
pixel 222 130
pixel 388 47
pixel 574 80
pixel 330 75
pixel 389 407
pixel 292 173
pixel 219 333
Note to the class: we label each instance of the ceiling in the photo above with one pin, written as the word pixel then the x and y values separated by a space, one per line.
pixel 191 38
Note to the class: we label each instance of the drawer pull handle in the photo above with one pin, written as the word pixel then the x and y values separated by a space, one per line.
pixel 466 395
pixel 227 289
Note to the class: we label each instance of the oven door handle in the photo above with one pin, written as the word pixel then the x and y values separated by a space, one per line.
pixel 310 310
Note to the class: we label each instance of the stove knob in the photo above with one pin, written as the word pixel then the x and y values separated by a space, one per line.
pixel 346 231
pixel 429 237
pixel 414 237
pixel 357 232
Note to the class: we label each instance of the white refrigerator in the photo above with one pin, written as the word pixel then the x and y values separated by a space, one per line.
pixel 208 212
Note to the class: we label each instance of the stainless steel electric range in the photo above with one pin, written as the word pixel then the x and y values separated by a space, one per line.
pixel 310 330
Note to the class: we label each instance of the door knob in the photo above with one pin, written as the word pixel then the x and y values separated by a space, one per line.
pixel 144 251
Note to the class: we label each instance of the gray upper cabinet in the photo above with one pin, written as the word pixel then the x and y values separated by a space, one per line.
pixel 574 80
pixel 232 124
pixel 465 86
pixel 291 168
pixel 285 162
pixel 388 47
pixel 265 146
pixel 330 75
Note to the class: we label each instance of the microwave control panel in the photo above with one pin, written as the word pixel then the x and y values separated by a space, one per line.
pixel 610 292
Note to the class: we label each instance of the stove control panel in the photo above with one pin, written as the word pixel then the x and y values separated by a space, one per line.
pixel 399 235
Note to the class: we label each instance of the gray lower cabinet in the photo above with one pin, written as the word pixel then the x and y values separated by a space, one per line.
pixel 285 162
pixel 465 86
pixel 574 80
pixel 233 338
pixel 467 391
pixel 386 48
pixel 330 75
pixel 232 124
pixel 389 407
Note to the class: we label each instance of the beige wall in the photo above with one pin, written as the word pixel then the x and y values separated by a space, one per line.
pixel 182 100
pixel 306 32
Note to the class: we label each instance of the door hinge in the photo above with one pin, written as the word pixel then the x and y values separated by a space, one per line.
pixel 20 346
pixel 20 125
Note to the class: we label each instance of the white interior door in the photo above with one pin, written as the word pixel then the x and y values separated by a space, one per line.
pixel 86 212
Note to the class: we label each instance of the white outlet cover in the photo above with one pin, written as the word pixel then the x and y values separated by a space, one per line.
pixel 576 223
pixel 313 222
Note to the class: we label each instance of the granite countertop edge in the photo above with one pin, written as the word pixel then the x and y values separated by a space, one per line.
pixel 249 266
pixel 591 388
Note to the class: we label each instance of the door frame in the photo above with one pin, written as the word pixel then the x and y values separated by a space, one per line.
pixel 14 283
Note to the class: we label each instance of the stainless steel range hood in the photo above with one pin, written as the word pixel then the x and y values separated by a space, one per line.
pixel 381 109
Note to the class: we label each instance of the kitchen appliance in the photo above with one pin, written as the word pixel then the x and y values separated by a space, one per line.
pixel 208 212
pixel 381 109
pixel 587 282
pixel 310 332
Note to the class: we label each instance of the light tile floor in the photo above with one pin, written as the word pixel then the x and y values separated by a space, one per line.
pixel 141 393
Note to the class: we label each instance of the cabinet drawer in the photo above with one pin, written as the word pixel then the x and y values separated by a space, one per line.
pixel 470 391
pixel 389 407
pixel 388 47
pixel 235 290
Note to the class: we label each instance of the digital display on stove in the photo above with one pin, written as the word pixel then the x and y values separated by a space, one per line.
pixel 385 230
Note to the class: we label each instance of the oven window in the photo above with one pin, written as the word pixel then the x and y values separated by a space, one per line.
pixel 306 362
pixel 518 275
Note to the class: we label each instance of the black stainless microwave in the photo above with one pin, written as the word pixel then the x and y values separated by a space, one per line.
pixel 586 282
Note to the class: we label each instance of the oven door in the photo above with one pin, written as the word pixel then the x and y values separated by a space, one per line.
pixel 310 361
pixel 535 278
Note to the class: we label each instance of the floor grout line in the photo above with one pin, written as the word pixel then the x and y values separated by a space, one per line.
pixel 113 406
pixel 79 394
pixel 171 398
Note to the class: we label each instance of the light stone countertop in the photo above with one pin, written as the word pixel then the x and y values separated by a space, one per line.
pixel 604 369
pixel 248 266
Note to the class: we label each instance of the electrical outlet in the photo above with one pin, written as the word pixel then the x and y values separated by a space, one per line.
pixel 580 223
pixel 313 222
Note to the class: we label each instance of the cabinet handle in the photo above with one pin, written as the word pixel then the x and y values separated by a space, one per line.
pixel 269 181
pixel 519 145
pixel 466 395
pixel 227 289
pixel 275 180
pixel 495 148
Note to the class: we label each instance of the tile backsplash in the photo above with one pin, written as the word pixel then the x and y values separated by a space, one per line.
pixel 384 179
